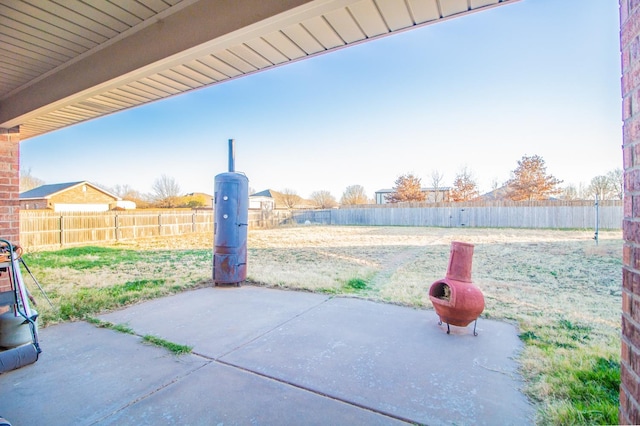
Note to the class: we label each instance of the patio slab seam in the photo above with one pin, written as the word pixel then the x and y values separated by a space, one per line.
pixel 260 336
pixel 140 398
pixel 319 393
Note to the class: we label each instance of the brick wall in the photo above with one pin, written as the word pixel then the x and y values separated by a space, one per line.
pixel 9 191
pixel 630 355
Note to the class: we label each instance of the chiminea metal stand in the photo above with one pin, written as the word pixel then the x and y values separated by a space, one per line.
pixel 455 298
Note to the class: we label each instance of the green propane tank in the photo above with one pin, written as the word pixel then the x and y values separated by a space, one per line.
pixel 14 331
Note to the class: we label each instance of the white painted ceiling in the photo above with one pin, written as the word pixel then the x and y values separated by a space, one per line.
pixel 66 61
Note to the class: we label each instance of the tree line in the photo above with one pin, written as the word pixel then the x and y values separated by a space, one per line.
pixel 529 181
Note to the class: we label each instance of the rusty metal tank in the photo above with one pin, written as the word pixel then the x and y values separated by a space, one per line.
pixel 231 220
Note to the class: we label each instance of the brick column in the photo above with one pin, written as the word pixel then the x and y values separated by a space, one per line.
pixel 630 355
pixel 9 190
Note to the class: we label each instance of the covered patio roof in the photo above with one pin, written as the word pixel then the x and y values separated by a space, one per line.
pixel 62 63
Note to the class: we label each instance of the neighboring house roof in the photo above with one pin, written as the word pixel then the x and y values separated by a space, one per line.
pixel 47 191
pixel 265 193
pixel 496 194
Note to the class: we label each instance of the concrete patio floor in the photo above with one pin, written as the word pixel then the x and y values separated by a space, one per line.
pixel 270 357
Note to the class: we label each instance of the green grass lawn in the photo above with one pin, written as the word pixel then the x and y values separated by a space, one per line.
pixel 561 289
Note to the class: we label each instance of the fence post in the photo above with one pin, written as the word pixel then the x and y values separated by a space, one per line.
pixel 61 230
pixel 193 222
pixel 159 224
pixel 116 226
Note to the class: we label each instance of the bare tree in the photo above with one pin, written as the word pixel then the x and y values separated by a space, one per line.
pixel 290 198
pixel 354 194
pixel 465 187
pixel 569 192
pixel 601 187
pixel 323 199
pixel 616 178
pixel 407 188
pixel 28 181
pixel 530 180
pixel 166 192
pixel 436 182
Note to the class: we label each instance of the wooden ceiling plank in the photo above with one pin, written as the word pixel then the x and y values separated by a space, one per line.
pixel 395 14
pixel 31 63
pixel 156 5
pixel 52 25
pixel 475 4
pixel 167 84
pixel 453 7
pixel 368 18
pixel 143 86
pixel 284 45
pixel 48 120
pixel 23 46
pixel 64 18
pixel 194 75
pixel 301 37
pixel 107 100
pixel 36 41
pixel 250 56
pixel 94 106
pixel 267 51
pixel 116 12
pixel 235 61
pixel 343 24
pixel 206 70
pixel 320 29
pixel 178 80
pixel 28 62
pixel 68 115
pixel 424 10
pixel 74 48
pixel 17 70
pixel 141 94
pixel 9 78
pixel 124 97
pixel 138 9
pixel 82 111
pixel 221 67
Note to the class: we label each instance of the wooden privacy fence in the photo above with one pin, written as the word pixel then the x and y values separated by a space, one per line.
pixel 560 215
pixel 43 228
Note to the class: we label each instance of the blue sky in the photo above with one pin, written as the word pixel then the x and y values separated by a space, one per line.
pixel 536 77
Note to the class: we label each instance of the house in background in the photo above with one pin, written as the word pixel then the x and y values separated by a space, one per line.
pixel 72 197
pixel 443 195
pixel 263 200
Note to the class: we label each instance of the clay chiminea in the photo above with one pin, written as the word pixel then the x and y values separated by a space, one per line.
pixel 456 299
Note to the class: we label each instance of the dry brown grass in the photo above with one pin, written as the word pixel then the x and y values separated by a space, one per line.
pixel 558 285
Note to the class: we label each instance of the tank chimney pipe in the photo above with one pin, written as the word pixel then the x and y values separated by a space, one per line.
pixel 232 156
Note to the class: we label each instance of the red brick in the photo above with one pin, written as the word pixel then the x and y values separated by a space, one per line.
pixel 630 230
pixel 625 352
pixel 624 11
pixel 631 331
pixel 630 381
pixel 635 309
pixel 634 361
pixel 630 27
pixel 632 180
